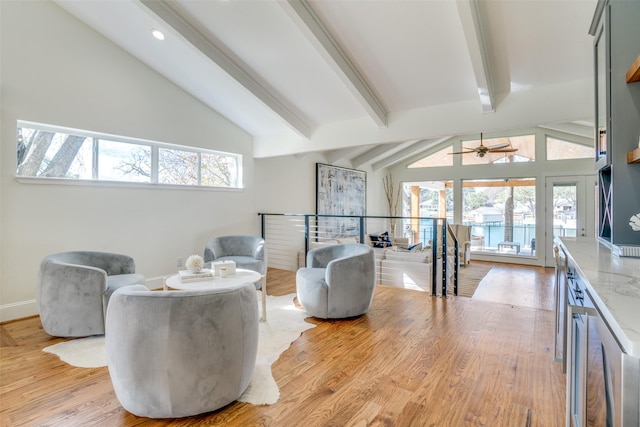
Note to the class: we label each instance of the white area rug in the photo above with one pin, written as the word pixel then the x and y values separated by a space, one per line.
pixel 284 325
pixel 81 352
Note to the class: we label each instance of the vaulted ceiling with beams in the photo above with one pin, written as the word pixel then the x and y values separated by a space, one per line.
pixel 372 82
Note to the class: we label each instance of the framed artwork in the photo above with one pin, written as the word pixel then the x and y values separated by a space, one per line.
pixel 340 191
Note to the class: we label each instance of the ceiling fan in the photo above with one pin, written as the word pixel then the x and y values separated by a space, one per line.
pixel 482 149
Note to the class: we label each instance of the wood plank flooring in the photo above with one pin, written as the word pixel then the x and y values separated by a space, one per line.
pixel 412 360
pixel 514 284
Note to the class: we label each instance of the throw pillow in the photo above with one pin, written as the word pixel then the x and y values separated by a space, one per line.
pixel 382 241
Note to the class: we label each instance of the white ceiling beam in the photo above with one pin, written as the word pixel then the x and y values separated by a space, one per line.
pixel 308 21
pixel 233 66
pixel 376 152
pixel 519 109
pixel 474 36
pixel 407 152
pixel 334 156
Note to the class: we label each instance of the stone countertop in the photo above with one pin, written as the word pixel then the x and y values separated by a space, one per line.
pixel 613 283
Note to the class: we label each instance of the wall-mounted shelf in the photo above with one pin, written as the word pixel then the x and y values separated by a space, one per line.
pixel 634 156
pixel 633 75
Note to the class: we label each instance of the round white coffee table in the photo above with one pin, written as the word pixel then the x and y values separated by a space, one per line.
pixel 241 276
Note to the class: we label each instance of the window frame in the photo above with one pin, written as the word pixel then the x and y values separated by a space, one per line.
pixel 155 147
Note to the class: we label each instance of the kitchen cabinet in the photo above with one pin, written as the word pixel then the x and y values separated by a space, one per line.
pixel 617 115
pixel 633 76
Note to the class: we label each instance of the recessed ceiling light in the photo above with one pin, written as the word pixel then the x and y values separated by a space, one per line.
pixel 157 34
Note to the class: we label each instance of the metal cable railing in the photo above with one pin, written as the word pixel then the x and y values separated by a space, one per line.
pixel 290 236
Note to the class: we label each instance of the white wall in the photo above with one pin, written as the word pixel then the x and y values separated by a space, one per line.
pixel 56 70
pixel 287 184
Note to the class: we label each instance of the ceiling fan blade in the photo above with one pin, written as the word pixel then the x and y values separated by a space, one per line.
pixel 498 146
pixel 463 152
pixel 506 150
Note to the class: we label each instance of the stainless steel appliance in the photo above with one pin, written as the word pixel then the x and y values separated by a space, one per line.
pixel 580 310
pixel 621 380
pixel 603 382
pixel 560 340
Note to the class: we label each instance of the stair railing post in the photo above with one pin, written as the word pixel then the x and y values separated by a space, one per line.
pixel 306 238
pixel 445 254
pixel 434 256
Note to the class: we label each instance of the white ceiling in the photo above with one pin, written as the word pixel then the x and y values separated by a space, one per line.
pixel 369 81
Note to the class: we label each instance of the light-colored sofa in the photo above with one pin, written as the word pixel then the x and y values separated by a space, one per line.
pixel 396 243
pixel 398 267
pixel 463 235
pixel 402 242
pixel 412 270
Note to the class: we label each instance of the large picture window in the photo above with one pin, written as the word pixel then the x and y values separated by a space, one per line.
pixel 53 152
pixel 502 214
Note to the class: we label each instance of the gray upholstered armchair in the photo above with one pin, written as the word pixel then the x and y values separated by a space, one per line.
pixel 338 282
pixel 74 290
pixel 185 353
pixel 248 252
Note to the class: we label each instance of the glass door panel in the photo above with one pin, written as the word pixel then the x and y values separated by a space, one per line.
pixel 570 210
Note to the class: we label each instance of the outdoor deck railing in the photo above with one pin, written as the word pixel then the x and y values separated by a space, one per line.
pixel 289 237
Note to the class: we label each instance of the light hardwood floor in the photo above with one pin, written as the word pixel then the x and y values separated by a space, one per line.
pixel 412 360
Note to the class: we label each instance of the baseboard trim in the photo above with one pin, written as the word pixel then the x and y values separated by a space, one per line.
pixel 22 309
pixel 18 310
